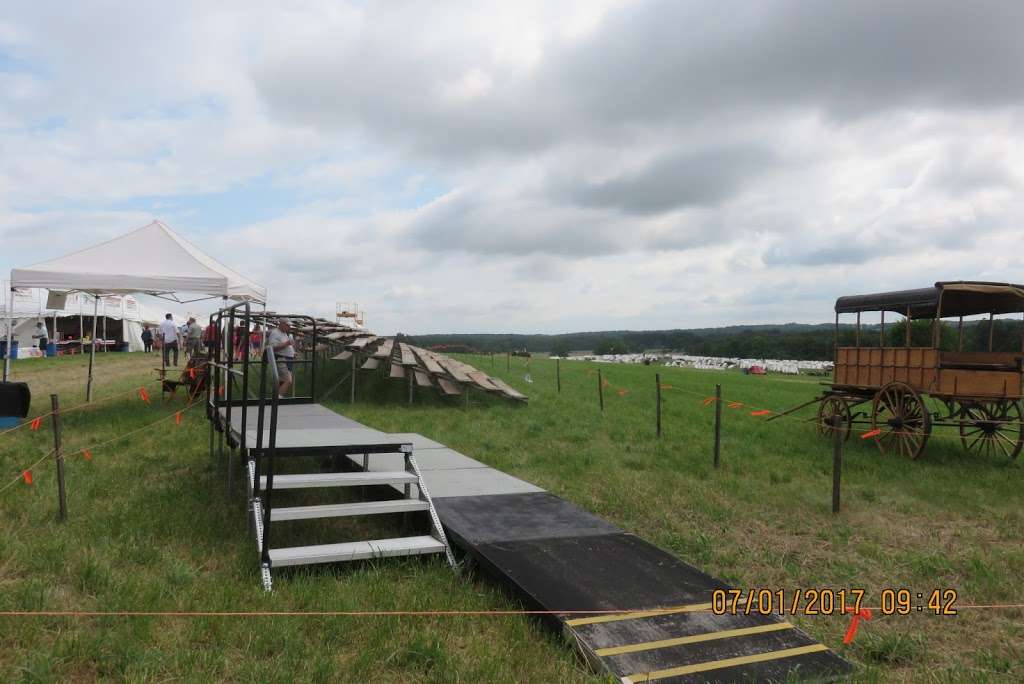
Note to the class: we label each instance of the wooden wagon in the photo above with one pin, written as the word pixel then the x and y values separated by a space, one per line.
pixel 882 388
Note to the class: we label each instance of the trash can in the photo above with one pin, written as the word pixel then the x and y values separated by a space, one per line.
pixel 3 349
pixel 15 399
pixel 51 348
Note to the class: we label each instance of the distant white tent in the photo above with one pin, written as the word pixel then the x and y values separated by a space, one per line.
pixel 152 260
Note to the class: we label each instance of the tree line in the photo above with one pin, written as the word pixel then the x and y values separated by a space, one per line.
pixel 788 341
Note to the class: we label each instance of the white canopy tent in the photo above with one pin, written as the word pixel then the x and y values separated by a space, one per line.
pixel 152 260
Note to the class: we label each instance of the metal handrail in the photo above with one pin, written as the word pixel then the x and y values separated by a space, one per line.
pixel 271 450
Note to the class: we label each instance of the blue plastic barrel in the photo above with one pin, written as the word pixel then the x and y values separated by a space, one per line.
pixel 3 349
pixel 51 348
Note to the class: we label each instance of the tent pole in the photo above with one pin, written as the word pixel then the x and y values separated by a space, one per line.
pixel 92 348
pixel 10 331
pixel 104 327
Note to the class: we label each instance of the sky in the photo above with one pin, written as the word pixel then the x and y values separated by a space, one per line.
pixel 528 166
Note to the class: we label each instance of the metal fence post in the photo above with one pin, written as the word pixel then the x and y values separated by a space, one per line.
pixel 558 374
pixel 657 394
pixel 59 456
pixel 600 390
pixel 837 460
pixel 718 424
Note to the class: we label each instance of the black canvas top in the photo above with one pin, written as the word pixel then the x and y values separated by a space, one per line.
pixel 949 298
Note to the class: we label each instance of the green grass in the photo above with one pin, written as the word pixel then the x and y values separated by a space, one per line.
pixel 151 528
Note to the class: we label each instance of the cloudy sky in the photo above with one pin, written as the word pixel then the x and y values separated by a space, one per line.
pixel 527 166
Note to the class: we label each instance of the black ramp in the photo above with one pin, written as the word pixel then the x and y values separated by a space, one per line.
pixel 511 517
pixel 683 642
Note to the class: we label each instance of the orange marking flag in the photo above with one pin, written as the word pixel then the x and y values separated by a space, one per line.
pixel 143 394
pixel 86 454
pixel 870 434
pixel 851 631
pixel 177 418
pixel 26 475
pixel 764 412
pixel 623 392
pixel 736 404
pixel 707 401
pixel 192 373
pixel 36 423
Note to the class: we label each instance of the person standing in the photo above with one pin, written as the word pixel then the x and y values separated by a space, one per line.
pixel 169 335
pixel 41 335
pixel 194 337
pixel 147 339
pixel 283 344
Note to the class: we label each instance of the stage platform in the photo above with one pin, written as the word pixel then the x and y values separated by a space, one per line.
pixel 633 610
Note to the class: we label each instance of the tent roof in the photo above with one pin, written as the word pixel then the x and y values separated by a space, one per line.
pixel 153 259
pixel 953 298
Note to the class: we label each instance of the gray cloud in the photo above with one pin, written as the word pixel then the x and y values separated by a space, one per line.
pixel 660 63
pixel 688 177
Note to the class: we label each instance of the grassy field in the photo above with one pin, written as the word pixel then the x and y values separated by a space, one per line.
pixel 151 528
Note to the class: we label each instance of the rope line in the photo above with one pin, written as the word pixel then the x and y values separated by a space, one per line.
pixel 392 613
pixel 89 448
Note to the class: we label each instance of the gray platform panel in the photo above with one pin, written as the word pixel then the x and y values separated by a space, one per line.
pixel 427 459
pixel 296 439
pixel 418 441
pixel 474 482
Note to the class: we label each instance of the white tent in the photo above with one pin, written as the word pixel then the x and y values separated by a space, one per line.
pixel 153 260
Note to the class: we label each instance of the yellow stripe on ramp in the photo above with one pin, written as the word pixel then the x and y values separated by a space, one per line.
pixel 637 614
pixel 728 662
pixel 694 639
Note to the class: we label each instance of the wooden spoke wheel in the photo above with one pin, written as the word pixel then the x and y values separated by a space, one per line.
pixel 828 409
pixel 900 413
pixel 992 427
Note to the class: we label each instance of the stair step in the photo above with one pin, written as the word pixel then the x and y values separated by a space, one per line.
pixel 341 510
pixel 333 553
pixel 310 480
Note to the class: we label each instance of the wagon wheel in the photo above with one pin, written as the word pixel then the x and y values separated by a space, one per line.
pixel 898 411
pixel 828 409
pixel 992 427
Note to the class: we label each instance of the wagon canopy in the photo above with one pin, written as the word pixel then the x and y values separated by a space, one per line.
pixel 955 298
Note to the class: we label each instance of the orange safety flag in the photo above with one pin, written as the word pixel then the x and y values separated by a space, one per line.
pixel 708 400
pixel 177 418
pixel 26 475
pixel 220 391
pixel 623 392
pixel 192 373
pixel 143 394
pixel 870 434
pixel 36 422
pixel 736 404
pixel 87 454
pixel 851 631
pixel 763 412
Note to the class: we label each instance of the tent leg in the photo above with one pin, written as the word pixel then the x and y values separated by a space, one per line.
pixel 92 349
pixel 10 332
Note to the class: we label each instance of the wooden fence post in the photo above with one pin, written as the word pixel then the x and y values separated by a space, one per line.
pixel 837 460
pixel 657 383
pixel 718 424
pixel 59 456
pixel 600 390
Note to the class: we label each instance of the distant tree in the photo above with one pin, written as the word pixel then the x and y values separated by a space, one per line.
pixel 560 348
pixel 611 346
